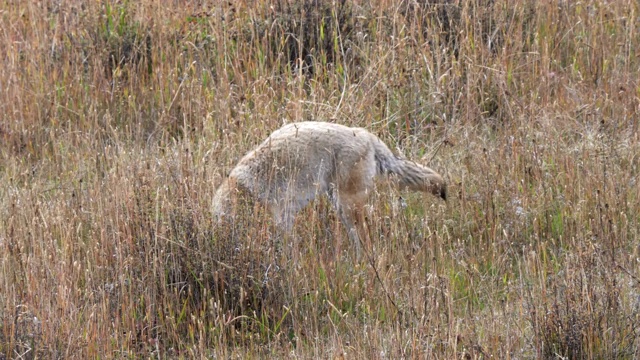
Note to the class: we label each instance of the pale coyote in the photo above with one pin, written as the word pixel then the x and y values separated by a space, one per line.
pixel 303 160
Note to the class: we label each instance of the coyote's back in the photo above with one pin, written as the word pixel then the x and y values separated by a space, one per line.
pixel 303 160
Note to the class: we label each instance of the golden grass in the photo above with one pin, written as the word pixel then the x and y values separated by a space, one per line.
pixel 120 118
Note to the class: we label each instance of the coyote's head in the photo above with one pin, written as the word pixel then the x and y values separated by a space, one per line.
pixel 442 191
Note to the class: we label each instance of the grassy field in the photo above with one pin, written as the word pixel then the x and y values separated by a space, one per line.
pixel 119 119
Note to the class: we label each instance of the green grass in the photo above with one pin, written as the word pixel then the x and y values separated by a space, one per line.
pixel 119 119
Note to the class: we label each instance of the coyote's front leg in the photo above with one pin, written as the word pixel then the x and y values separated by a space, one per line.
pixel 350 208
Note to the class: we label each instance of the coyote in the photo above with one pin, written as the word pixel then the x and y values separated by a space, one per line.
pixel 302 160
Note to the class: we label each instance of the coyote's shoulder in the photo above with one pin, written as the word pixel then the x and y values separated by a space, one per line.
pixel 302 160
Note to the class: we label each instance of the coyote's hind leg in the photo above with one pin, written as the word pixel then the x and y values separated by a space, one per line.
pixel 283 215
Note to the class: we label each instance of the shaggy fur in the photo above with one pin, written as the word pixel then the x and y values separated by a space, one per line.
pixel 302 160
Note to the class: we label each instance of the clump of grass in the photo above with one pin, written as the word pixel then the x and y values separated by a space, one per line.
pixel 124 42
pixel 313 34
pixel 579 311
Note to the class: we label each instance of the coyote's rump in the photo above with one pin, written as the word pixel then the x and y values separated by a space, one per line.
pixel 303 160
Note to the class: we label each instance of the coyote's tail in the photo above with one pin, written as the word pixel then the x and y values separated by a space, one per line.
pixel 222 201
pixel 410 175
pixel 226 198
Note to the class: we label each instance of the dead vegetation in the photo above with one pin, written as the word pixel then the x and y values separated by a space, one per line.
pixel 120 118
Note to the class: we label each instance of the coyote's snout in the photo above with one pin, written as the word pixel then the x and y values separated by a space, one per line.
pixel 303 160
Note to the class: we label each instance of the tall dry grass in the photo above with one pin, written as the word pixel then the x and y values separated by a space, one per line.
pixel 119 119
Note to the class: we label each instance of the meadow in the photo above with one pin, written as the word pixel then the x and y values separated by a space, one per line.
pixel 118 119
